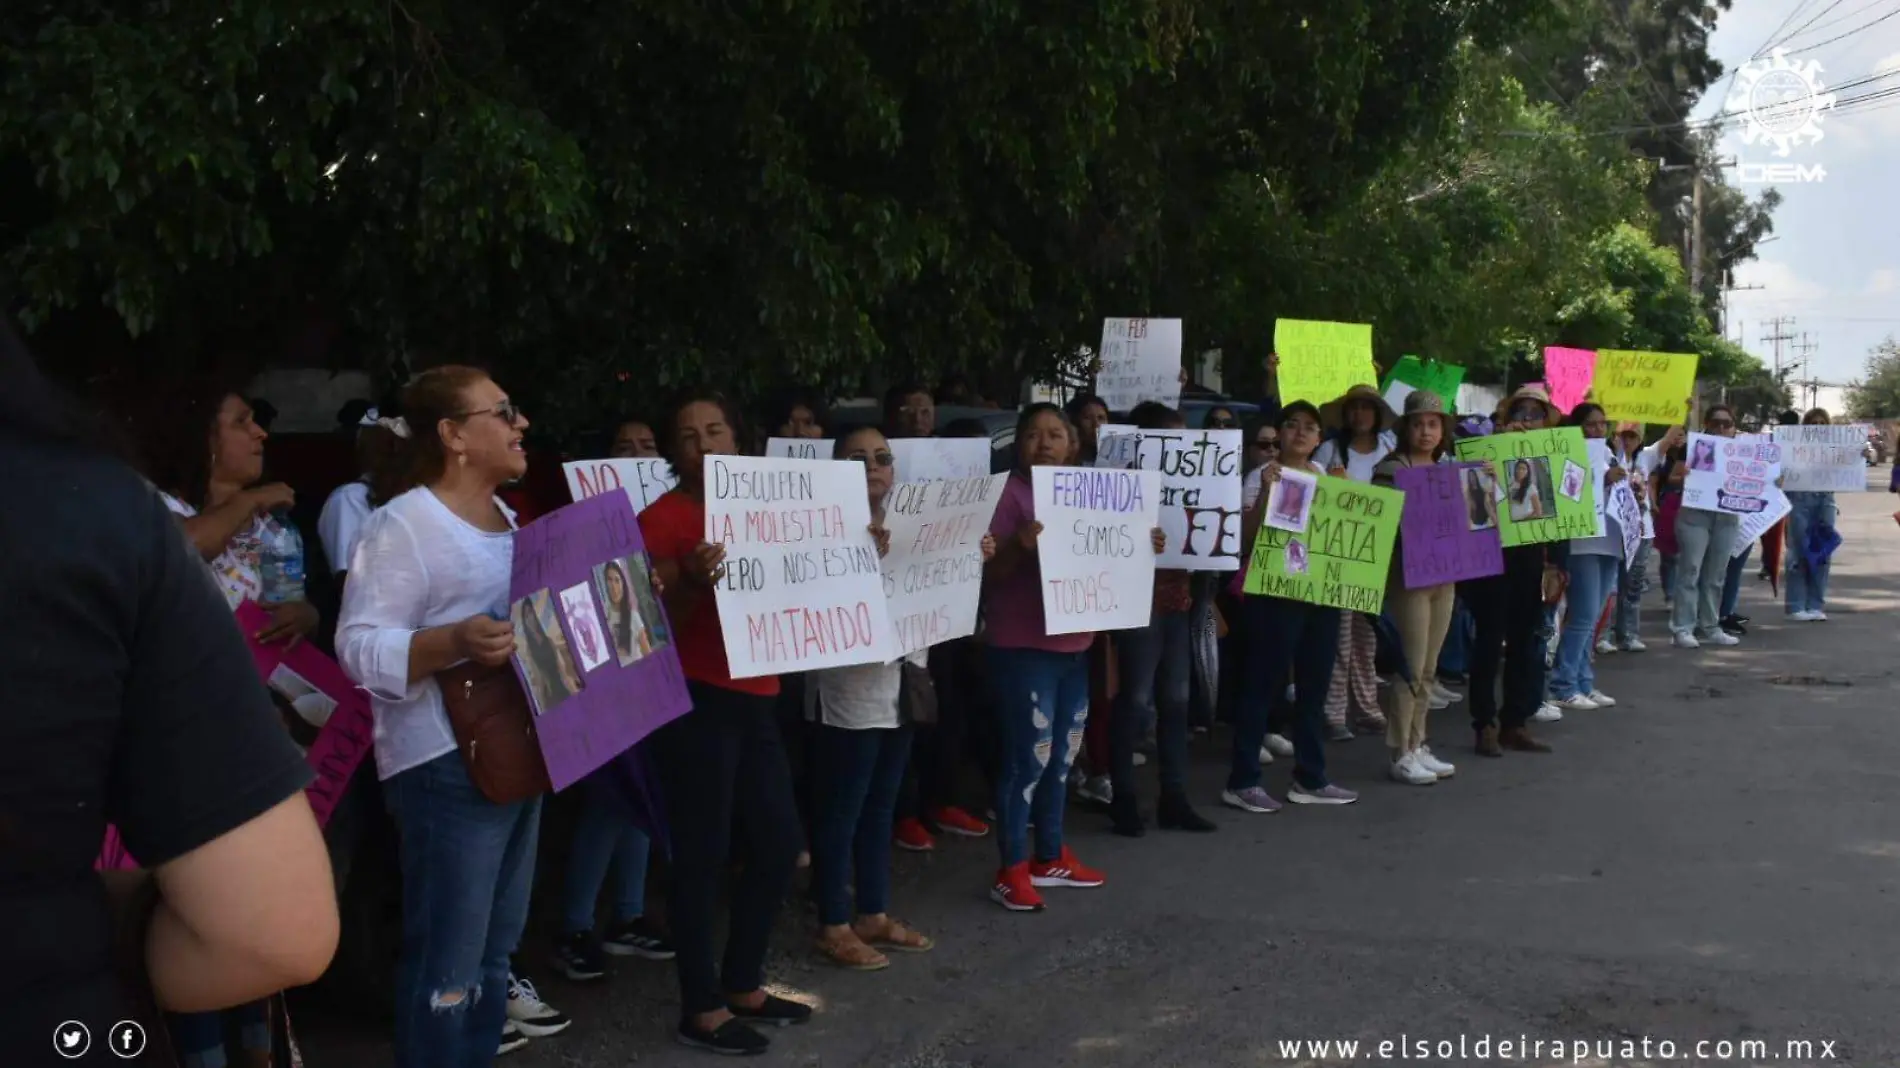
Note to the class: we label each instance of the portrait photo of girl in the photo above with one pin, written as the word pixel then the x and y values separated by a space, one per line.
pixel 541 653
pixel 626 619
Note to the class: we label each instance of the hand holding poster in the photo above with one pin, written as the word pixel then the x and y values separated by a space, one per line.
pixel 1822 459
pixel 1644 387
pixel 1320 361
pixel 1200 490
pixel 1096 547
pixel 803 587
pixel 1343 558
pixel 933 575
pixel 1411 374
pixel 1730 475
pixel 930 459
pixel 645 479
pixel 1543 477
pixel 1449 524
pixel 1141 361
pixel 1569 373
pixel 799 448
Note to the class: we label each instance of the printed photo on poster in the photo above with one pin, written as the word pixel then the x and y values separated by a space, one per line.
pixel 1702 456
pixel 628 612
pixel 312 705
pixel 583 622
pixel 1481 499
pixel 1529 494
pixel 1295 558
pixel 541 652
pixel 1291 502
pixel 1572 487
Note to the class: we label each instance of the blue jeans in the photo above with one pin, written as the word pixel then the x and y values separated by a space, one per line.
pixel 467 868
pixel 1732 582
pixel 859 773
pixel 1451 658
pixel 1628 618
pixel 198 1037
pixel 1280 635
pixel 1592 581
pixel 605 840
pixel 1155 663
pixel 1042 700
pixel 1807 590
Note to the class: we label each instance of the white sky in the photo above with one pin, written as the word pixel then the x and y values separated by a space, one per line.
pixel 1834 263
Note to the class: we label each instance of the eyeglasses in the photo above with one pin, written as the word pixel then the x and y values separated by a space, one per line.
pixel 1719 424
pixel 1220 424
pixel 875 459
pixel 1267 443
pixel 507 411
pixel 1524 412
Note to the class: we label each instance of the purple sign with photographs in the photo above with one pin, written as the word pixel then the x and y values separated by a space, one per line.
pixel 593 646
pixel 1448 531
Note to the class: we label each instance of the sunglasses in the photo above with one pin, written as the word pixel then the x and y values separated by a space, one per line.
pixel 507 411
pixel 1220 424
pixel 1525 412
pixel 874 459
pixel 1267 443
pixel 1719 424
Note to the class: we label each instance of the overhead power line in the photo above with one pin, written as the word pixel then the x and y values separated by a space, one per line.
pixel 1844 36
pixel 1796 32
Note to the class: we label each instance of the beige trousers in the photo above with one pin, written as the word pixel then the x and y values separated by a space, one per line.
pixel 1422 617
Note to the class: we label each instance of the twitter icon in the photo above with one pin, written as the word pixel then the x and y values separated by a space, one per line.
pixel 72 1040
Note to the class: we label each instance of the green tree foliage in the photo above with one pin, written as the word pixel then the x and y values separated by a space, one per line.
pixel 1877 394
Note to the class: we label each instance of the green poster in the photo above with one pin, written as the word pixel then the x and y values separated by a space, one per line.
pixel 1430 376
pixel 1321 361
pixel 1343 557
pixel 1543 490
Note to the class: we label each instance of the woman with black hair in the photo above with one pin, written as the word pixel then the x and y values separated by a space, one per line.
pixel 1704 539
pixel 1593 564
pixel 1360 437
pixel 1087 414
pixel 791 413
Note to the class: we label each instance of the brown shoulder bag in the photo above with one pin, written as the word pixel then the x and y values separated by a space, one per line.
pixel 494 729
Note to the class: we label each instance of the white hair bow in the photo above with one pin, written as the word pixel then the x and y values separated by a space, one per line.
pixel 397 426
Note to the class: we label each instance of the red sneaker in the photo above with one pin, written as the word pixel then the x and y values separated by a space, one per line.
pixel 952 820
pixel 1014 890
pixel 911 834
pixel 1065 870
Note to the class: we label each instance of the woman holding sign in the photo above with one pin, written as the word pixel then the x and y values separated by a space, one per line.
pixel 1593 567
pixel 722 761
pixel 1807 582
pixel 1704 541
pixel 1361 439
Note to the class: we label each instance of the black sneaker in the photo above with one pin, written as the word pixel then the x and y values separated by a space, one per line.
pixel 1736 625
pixel 580 957
pixel 511 1039
pixel 775 1010
pixel 732 1039
pixel 638 938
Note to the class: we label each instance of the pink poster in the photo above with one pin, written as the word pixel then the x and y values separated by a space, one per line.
pixel 1569 372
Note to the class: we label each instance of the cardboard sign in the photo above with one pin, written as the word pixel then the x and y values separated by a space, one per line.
pixel 1750 528
pixel 1543 478
pixel 929 459
pixel 646 479
pixel 933 575
pixel 1449 524
pixel 1343 558
pixel 1822 459
pixel 1731 475
pixel 1644 387
pixel 593 646
pixel 803 587
pixel 1096 548
pixel 1320 361
pixel 1628 513
pixel 1411 374
pixel 1141 361
pixel 1200 491
pixel 1569 373
pixel 799 448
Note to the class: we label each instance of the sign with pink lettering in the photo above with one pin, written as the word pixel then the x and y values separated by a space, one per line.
pixel 933 575
pixel 1730 475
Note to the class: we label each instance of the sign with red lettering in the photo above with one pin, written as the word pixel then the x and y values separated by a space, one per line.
pixel 933 575
pixel 1097 546
pixel 645 479
pixel 803 588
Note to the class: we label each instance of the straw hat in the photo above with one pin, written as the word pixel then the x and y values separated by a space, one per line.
pixel 1423 403
pixel 1333 414
pixel 1552 416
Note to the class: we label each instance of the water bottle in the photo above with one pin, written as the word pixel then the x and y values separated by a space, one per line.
pixel 280 561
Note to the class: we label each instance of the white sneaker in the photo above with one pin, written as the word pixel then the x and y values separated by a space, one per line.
pixel 1449 696
pixel 1425 759
pixel 1635 645
pixel 1141 760
pixel 1820 616
pixel 511 1039
pixel 1098 789
pixel 1721 637
pixel 1603 700
pixel 1547 713
pixel 1803 616
pixel 1279 745
pixel 1436 701
pixel 1577 702
pixel 1266 753
pixel 1605 647
pixel 1684 640
pixel 1407 770
pixel 530 1015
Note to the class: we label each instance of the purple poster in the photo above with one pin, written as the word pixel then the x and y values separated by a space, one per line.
pixel 1448 531
pixel 593 645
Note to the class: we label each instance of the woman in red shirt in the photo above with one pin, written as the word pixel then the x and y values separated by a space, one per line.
pixel 721 761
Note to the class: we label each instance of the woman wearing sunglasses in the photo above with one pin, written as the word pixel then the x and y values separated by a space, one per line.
pixel 1704 541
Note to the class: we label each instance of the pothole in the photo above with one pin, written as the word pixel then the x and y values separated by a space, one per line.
pixel 1808 680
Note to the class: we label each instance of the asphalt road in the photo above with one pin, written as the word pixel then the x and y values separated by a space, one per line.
pixel 1713 859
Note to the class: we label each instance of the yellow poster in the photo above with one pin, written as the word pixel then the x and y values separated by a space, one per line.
pixel 1320 361
pixel 1644 387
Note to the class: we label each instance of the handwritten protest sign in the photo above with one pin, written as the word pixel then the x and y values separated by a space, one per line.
pixel 1449 524
pixel 1569 373
pixel 799 448
pixel 589 626
pixel 646 480
pixel 1320 361
pixel 1730 475
pixel 1200 491
pixel 1822 459
pixel 1343 558
pixel 1141 361
pixel 1544 478
pixel 933 575
pixel 1411 373
pixel 1096 547
pixel 1598 450
pixel 1644 387
pixel 927 459
pixel 1628 513
pixel 1751 527
pixel 803 587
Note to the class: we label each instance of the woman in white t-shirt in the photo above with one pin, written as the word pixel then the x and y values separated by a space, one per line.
pixel 1360 437
pixel 349 506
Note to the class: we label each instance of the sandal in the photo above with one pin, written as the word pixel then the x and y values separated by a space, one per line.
pixel 851 953
pixel 894 935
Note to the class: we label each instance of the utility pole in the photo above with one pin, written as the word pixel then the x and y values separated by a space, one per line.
pixel 1779 333
pixel 1806 349
pixel 1695 239
pixel 1726 290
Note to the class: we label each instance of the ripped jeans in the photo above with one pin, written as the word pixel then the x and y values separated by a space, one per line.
pixel 467 867
pixel 1042 701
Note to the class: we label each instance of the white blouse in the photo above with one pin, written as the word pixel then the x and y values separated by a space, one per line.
pixel 416 566
pixel 341 523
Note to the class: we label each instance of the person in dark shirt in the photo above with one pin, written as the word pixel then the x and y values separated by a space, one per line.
pixel 132 701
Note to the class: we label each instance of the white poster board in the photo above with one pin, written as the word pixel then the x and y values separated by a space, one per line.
pixel 928 459
pixel 645 479
pixel 1096 547
pixel 799 448
pixel 1753 526
pixel 1628 513
pixel 1141 361
pixel 933 575
pixel 1599 450
pixel 1731 475
pixel 1200 490
pixel 1822 459
pixel 803 588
